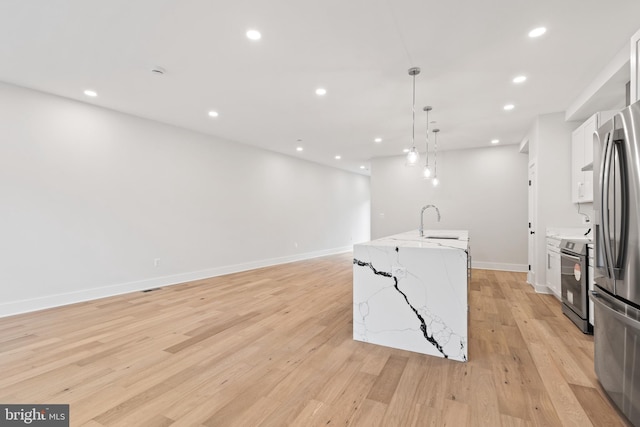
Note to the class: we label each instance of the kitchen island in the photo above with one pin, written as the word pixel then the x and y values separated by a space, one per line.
pixel 410 292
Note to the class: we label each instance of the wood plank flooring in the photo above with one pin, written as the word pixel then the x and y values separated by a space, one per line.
pixel 274 347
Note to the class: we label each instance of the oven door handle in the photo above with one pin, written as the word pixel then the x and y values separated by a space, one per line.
pixel 611 307
pixel 571 257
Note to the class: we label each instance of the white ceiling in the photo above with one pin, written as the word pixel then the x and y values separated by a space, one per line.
pixel 359 50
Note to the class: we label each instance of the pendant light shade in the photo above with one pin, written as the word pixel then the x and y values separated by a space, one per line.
pixel 413 157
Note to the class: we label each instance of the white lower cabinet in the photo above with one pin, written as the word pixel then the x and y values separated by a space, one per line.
pixel 553 266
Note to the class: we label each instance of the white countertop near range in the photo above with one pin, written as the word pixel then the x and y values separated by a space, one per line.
pixel 410 292
pixel 561 233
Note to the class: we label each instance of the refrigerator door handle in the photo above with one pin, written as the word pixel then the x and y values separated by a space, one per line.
pixel 623 214
pixel 604 204
pixel 610 307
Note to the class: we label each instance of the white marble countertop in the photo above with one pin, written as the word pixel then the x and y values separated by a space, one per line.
pixel 435 239
pixel 411 292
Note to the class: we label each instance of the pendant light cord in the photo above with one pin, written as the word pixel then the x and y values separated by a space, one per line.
pixel 426 162
pixel 413 109
pixel 435 157
pixel 413 157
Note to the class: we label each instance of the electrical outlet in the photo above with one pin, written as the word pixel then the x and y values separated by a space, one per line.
pixel 586 220
pixel 156 262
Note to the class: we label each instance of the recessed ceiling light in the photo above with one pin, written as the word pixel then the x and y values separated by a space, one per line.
pixel 378 140
pixel 338 157
pixel 509 107
pixel 362 167
pixel 299 148
pixel 495 141
pixel 321 91
pixel 406 150
pixel 91 93
pixel 213 114
pixel 519 79
pixel 537 32
pixel 254 35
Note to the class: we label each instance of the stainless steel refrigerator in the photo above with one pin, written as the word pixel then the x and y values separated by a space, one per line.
pixel 616 295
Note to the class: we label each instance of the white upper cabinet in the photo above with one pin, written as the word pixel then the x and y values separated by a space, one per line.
pixel 581 157
pixel 582 147
pixel 577 163
pixel 635 67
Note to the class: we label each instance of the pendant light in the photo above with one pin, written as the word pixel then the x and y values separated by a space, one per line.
pixel 426 172
pixel 435 181
pixel 413 157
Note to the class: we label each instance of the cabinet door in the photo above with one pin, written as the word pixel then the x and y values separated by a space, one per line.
pixel 549 273
pixel 635 67
pixel 557 273
pixel 553 272
pixel 589 128
pixel 582 155
pixel 577 160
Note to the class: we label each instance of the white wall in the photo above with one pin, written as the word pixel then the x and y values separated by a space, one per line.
pixel 550 142
pixel 482 190
pixel 89 198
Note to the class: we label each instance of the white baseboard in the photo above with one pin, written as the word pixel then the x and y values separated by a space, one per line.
pixel 519 268
pixel 542 289
pixel 50 301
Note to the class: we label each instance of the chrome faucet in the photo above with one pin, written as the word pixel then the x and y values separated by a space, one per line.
pixel 422 217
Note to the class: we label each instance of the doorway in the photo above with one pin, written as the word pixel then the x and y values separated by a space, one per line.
pixel 531 275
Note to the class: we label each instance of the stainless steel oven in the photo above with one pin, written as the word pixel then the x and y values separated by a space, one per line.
pixel 574 284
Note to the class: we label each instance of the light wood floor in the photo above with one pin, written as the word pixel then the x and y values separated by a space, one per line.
pixel 274 347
